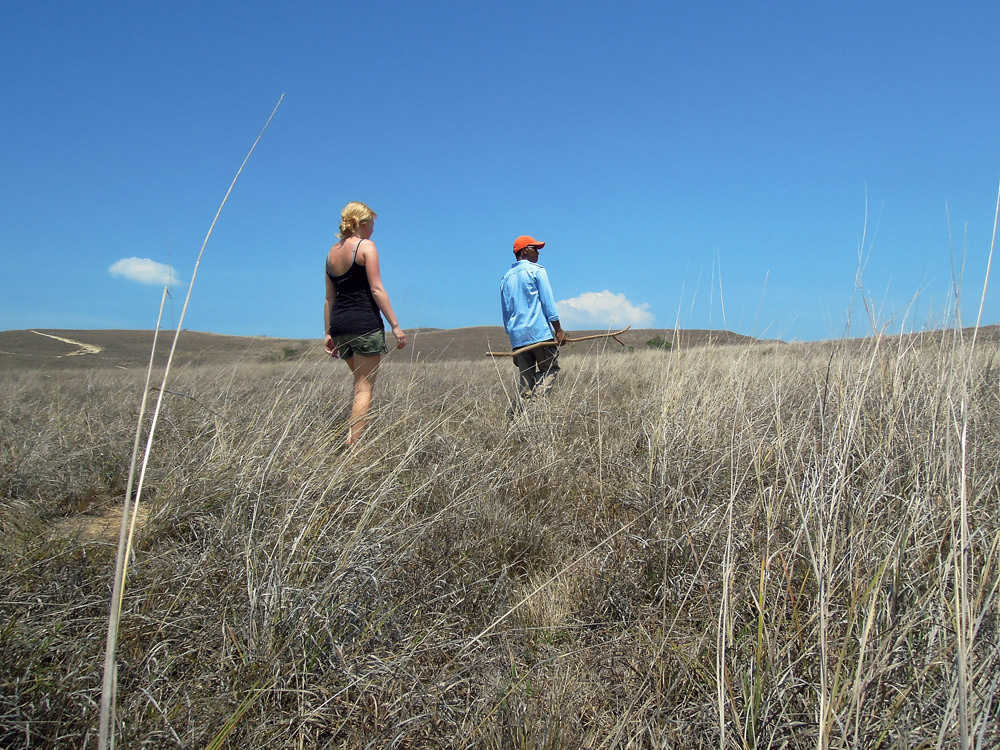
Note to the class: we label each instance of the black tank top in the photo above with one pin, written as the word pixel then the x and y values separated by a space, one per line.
pixel 354 310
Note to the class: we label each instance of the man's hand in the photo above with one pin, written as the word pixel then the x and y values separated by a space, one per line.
pixel 558 331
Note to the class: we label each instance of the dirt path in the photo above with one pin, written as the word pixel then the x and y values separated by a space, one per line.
pixel 97 528
pixel 84 348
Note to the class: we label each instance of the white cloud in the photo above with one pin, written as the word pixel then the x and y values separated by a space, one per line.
pixel 603 310
pixel 144 270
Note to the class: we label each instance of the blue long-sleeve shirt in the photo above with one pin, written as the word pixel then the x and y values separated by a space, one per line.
pixel 527 303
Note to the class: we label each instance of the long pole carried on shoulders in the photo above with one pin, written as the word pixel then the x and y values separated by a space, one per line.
pixel 529 347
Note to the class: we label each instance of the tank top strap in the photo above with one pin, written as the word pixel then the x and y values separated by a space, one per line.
pixel 354 258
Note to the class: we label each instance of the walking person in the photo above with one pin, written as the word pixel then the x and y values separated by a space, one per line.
pixel 530 317
pixel 355 304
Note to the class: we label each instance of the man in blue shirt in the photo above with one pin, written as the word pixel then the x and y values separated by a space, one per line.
pixel 530 317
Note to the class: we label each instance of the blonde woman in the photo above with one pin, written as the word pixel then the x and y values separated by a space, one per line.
pixel 355 298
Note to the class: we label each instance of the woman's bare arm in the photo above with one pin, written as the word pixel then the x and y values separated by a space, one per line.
pixel 331 296
pixel 368 257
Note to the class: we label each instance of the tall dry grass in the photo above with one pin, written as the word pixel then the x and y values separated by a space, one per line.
pixel 731 546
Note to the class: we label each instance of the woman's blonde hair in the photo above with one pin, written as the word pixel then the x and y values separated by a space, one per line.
pixel 353 216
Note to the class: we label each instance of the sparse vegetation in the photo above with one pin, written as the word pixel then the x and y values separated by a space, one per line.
pixel 658 342
pixel 735 546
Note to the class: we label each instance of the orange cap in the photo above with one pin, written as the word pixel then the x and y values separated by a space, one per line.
pixel 524 240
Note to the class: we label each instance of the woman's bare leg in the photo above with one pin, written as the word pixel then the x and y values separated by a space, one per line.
pixel 364 369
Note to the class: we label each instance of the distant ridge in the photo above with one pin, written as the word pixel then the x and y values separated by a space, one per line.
pixel 73 349
pixel 474 342
pixel 62 349
pixel 42 348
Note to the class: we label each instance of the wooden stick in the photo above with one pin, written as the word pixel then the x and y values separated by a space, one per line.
pixel 529 347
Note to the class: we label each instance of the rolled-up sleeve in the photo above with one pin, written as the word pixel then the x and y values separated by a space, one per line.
pixel 546 297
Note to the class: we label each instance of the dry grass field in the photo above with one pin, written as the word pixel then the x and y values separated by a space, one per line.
pixel 735 545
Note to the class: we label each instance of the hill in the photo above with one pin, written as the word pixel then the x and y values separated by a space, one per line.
pixel 73 349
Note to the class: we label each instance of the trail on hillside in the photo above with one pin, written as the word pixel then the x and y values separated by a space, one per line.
pixel 84 348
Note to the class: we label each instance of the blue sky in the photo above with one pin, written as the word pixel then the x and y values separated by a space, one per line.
pixel 704 165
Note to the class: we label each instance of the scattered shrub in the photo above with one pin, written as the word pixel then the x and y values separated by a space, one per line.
pixel 658 342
